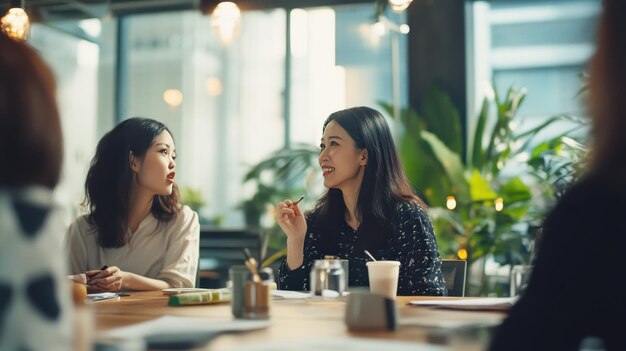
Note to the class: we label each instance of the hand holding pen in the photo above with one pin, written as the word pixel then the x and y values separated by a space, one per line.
pixel 107 278
pixel 290 218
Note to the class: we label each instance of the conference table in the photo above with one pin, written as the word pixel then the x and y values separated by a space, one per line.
pixel 302 323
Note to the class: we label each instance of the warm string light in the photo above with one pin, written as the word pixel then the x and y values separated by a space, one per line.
pixel 15 24
pixel 226 19
pixel 462 254
pixel 499 204
pixel 451 202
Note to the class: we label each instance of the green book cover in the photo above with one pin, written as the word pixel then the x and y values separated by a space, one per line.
pixel 200 298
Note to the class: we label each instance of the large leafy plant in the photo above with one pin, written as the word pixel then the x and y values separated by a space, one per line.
pixel 478 208
pixel 283 174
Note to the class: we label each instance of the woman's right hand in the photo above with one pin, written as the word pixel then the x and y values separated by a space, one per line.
pixel 291 220
pixel 109 279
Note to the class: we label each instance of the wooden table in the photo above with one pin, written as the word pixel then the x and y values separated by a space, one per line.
pixel 291 319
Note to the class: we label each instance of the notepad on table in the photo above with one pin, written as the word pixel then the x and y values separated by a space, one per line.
pixel 477 304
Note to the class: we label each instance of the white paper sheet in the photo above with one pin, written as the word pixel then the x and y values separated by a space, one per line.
pixel 289 295
pixel 172 325
pixel 102 296
pixel 340 344
pixel 445 323
pixel 487 303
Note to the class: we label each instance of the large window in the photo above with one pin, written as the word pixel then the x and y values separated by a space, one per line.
pixel 224 103
pixel 543 46
pixel 74 62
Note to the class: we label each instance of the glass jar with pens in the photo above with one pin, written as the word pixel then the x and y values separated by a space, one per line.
pixel 250 292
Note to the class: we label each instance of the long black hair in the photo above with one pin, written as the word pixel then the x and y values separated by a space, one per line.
pixel 110 177
pixel 384 184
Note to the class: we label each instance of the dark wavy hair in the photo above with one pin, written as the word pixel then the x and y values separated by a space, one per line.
pixel 30 127
pixel 110 177
pixel 384 184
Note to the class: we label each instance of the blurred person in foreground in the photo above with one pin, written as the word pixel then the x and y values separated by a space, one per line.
pixel 35 303
pixel 573 293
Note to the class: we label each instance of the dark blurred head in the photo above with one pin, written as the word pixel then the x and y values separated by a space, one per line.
pixel 30 128
pixel 607 87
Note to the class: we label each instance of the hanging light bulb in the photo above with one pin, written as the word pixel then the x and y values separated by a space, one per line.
pixel 399 5
pixel 226 19
pixel 15 23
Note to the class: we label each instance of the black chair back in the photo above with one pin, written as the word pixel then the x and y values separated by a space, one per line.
pixel 220 249
pixel 454 272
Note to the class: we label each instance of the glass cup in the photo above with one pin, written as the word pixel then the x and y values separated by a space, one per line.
pixel 383 277
pixel 238 275
pixel 519 279
pixel 256 300
pixel 328 278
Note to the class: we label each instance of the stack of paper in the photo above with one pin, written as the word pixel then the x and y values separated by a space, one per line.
pixel 341 344
pixel 477 304
pixel 289 295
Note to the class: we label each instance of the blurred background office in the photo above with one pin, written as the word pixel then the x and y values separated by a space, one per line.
pixel 238 81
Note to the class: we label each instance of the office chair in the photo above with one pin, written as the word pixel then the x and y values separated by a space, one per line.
pixel 454 272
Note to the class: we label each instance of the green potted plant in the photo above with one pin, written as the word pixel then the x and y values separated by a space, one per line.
pixel 477 211
pixel 256 206
pixel 288 171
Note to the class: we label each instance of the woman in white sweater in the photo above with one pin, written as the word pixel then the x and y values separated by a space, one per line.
pixel 137 236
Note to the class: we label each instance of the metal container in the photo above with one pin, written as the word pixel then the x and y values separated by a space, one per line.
pixel 328 278
pixel 256 300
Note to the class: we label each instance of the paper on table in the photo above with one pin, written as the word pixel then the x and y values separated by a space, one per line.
pixel 172 325
pixel 177 333
pixel 341 344
pixel 289 295
pixel 446 322
pixel 102 296
pixel 478 304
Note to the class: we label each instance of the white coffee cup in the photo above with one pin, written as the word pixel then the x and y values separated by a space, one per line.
pixel 383 277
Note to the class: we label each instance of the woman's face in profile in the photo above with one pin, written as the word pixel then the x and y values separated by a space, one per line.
pixel 155 171
pixel 341 161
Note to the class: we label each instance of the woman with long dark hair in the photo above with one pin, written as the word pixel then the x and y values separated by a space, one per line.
pixel 573 300
pixel 137 236
pixel 369 205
